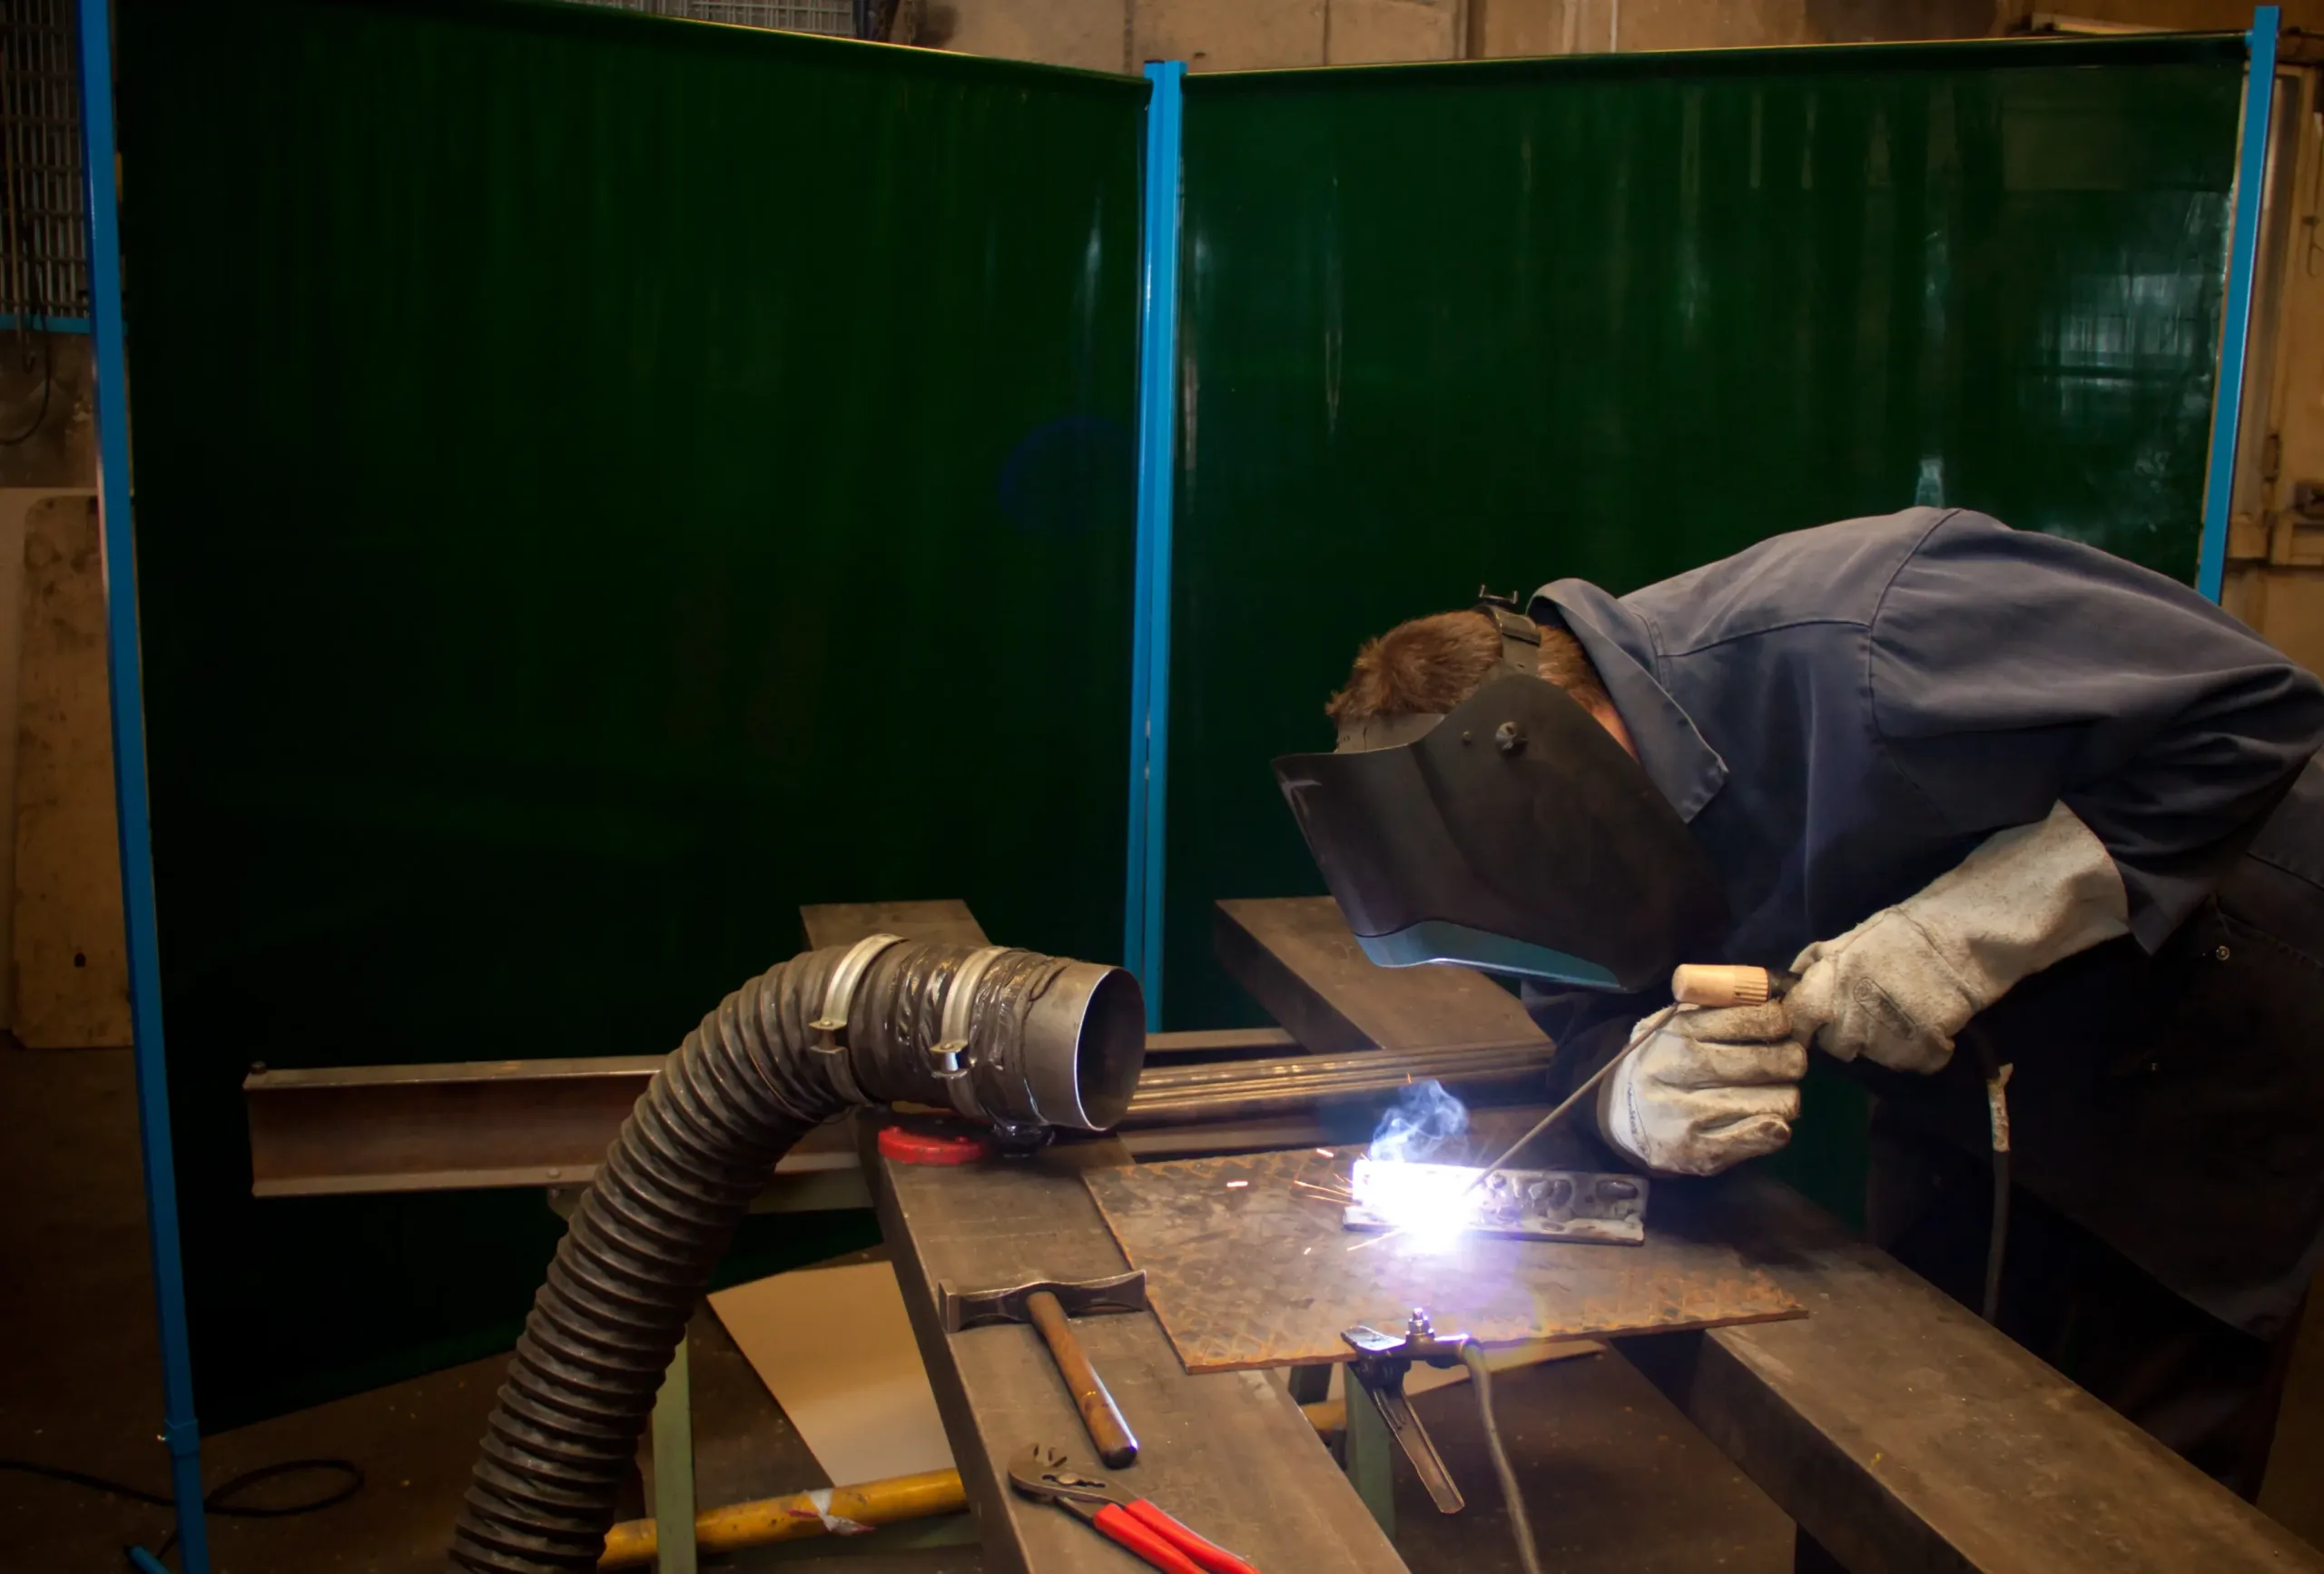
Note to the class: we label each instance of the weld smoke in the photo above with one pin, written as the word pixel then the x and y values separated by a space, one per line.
pixel 1423 1118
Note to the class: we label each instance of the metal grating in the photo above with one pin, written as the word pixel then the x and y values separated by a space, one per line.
pixel 834 17
pixel 44 231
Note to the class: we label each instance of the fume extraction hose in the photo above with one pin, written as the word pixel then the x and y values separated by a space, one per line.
pixel 1022 1040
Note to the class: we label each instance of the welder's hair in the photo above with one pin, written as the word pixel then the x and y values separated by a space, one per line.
pixel 1429 664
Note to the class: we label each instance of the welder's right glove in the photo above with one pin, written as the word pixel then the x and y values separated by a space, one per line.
pixel 1708 1089
pixel 1899 986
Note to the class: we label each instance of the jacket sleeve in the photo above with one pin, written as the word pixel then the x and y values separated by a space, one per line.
pixel 2009 671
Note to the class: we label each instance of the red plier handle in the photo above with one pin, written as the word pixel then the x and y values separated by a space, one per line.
pixel 1187 1548
pixel 1118 1525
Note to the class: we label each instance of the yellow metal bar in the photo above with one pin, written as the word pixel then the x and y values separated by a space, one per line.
pixel 631 1544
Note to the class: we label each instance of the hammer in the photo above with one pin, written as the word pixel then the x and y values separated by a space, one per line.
pixel 1046 1303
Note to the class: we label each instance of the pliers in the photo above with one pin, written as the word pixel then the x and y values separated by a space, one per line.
pixel 1130 1523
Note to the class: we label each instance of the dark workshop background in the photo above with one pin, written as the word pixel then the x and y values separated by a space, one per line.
pixel 1613 318
pixel 602 484
pixel 606 540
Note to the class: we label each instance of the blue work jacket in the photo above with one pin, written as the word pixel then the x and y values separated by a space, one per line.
pixel 1842 713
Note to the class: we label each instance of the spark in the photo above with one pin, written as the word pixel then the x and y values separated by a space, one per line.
pixel 1428 1202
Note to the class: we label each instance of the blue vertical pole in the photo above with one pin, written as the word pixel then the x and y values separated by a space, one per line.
pixel 178 1428
pixel 1158 391
pixel 2243 265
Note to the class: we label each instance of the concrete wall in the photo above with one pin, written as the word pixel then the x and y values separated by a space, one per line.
pixel 1252 35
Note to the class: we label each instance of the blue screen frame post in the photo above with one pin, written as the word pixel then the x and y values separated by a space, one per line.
pixel 1157 393
pixel 2235 329
pixel 179 1431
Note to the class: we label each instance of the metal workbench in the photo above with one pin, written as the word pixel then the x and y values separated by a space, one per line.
pixel 1891 1424
pixel 1895 1428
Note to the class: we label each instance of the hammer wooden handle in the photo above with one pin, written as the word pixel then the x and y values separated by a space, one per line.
pixel 1107 1430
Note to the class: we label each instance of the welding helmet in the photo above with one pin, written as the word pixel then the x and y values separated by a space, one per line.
pixel 1514 834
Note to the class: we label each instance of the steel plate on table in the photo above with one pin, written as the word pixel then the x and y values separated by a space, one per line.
pixel 1246 1270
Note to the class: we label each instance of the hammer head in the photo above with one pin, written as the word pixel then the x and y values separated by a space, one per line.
pixel 1082 1298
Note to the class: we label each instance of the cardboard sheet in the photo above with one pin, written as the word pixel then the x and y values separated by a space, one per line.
pixel 835 1348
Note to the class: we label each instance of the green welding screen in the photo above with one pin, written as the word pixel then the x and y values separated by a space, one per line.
pixel 1504 324
pixel 601 483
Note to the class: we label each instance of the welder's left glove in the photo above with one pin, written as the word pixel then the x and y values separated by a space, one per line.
pixel 1896 987
pixel 1706 1090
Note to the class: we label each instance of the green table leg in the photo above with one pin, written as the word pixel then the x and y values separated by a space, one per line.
pixel 1368 1448
pixel 673 1470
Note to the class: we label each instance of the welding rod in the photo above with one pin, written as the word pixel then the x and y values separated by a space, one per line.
pixel 1691 984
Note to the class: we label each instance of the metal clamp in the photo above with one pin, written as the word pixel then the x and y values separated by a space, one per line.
pixel 1381 1361
pixel 839 998
pixel 951 1046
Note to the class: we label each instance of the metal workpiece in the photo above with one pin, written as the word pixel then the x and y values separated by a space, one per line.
pixel 1224 1089
pixel 1230 1455
pixel 1248 1265
pixel 1529 1204
pixel 341 1130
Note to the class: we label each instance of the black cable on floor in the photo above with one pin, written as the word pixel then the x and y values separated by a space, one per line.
pixel 1472 1356
pixel 218 1499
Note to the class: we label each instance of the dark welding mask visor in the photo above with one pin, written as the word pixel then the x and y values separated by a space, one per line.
pixel 1514 835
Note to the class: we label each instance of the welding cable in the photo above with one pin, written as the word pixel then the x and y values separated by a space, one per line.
pixel 1042 1042
pixel 1997 1115
pixel 1472 1356
pixel 220 1499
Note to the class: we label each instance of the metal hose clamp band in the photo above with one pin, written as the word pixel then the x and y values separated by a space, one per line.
pixel 952 1037
pixel 839 996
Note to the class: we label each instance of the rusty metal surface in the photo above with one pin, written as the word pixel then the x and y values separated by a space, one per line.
pixel 1298 960
pixel 842 923
pixel 1245 1270
pixel 535 1123
pixel 1903 1432
pixel 1229 1453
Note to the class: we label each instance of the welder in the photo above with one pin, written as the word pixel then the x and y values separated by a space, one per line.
pixel 2039 831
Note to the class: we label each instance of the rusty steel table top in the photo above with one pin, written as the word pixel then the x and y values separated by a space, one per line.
pixel 1244 1269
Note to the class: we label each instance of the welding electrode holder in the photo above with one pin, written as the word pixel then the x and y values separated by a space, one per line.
pixel 1712 983
pixel 1700 984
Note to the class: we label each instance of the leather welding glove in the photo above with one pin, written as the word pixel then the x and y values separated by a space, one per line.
pixel 1705 1089
pixel 1896 987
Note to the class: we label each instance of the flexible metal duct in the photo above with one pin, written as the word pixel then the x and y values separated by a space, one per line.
pixel 1025 1041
